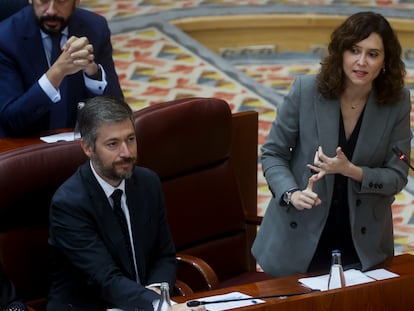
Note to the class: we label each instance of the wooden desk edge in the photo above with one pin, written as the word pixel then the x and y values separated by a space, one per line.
pixel 380 294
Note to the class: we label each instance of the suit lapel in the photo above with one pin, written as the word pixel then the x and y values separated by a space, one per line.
pixel 31 42
pixel 137 218
pixel 110 228
pixel 327 121
pixel 372 128
pixel 75 28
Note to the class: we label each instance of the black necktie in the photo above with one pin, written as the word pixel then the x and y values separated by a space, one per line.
pixel 116 197
pixel 56 49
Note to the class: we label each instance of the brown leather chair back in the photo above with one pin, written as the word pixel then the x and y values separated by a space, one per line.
pixel 29 177
pixel 188 143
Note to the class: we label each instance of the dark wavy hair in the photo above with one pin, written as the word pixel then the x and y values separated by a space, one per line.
pixel 389 83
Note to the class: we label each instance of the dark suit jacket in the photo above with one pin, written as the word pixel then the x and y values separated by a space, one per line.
pixel 91 265
pixel 24 107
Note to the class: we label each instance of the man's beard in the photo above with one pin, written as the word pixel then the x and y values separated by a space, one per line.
pixel 110 172
pixel 51 31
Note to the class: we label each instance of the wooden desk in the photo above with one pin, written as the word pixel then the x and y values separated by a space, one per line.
pixel 7 144
pixel 10 143
pixel 391 294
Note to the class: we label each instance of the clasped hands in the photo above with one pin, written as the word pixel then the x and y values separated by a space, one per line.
pixel 322 165
pixel 77 54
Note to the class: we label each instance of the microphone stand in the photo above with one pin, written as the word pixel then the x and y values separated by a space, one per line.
pixel 195 303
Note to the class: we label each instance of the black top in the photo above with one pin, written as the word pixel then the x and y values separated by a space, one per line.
pixel 337 231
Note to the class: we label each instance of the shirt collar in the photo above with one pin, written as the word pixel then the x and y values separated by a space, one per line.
pixel 107 188
pixel 64 32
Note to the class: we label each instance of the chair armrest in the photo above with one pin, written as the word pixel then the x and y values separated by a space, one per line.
pixel 201 267
pixel 253 220
pixel 37 304
pixel 181 289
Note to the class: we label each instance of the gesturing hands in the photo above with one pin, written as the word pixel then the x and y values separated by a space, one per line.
pixel 322 164
pixel 306 199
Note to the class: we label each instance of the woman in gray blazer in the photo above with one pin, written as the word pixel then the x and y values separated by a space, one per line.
pixel 328 158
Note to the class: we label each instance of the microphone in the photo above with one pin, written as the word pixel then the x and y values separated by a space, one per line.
pixel 196 303
pixel 401 155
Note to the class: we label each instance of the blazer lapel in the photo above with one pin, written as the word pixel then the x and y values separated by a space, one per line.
pixel 372 129
pixel 108 223
pixel 32 44
pixel 327 114
pixel 137 218
pixel 75 28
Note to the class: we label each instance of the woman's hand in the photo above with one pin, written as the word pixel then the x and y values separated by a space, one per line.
pixel 322 164
pixel 339 164
pixel 306 199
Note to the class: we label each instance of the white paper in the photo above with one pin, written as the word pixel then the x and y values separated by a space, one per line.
pixel 381 274
pixel 352 277
pixel 67 136
pixel 229 305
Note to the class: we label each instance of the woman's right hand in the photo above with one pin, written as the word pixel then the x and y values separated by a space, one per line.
pixel 306 199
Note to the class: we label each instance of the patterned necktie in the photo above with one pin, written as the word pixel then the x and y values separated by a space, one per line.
pixel 56 49
pixel 116 197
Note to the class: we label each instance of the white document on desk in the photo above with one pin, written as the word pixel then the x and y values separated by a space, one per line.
pixel 231 304
pixel 66 136
pixel 352 277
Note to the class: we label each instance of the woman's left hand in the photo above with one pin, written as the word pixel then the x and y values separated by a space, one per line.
pixel 322 164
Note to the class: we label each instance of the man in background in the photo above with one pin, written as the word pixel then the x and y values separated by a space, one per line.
pixel 39 92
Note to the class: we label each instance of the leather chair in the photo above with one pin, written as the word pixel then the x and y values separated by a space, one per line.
pixel 206 158
pixel 28 178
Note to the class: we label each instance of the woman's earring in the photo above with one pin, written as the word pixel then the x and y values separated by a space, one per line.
pixel 383 69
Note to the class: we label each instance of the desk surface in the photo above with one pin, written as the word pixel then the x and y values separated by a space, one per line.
pixel 10 143
pixel 390 294
pixel 7 144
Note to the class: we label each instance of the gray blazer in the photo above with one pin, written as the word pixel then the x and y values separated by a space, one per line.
pixel 288 238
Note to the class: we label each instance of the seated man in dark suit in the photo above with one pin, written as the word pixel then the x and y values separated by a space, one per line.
pixel 101 261
pixel 52 56
pixel 8 297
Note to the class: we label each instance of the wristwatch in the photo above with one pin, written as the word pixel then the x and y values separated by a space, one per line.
pixel 287 196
